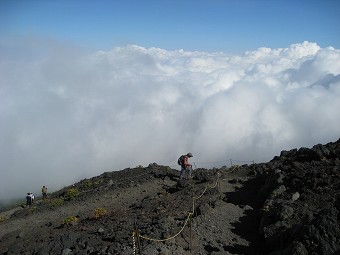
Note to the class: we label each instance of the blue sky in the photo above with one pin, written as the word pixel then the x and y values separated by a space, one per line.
pixel 230 26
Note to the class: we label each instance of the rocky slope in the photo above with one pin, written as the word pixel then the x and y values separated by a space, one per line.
pixel 289 205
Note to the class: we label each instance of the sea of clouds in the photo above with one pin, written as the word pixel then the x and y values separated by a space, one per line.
pixel 67 114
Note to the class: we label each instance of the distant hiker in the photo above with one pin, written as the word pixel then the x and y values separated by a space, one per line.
pixel 32 195
pixel 29 199
pixel 186 167
pixel 44 192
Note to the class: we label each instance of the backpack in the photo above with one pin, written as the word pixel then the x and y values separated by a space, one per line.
pixel 29 198
pixel 180 160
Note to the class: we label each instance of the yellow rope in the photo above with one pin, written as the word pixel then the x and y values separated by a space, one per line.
pixel 208 186
pixel 233 169
pixel 189 213
pixel 193 205
pixel 218 177
pixel 134 242
pixel 162 240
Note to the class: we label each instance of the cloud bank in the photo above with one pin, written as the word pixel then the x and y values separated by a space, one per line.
pixel 66 115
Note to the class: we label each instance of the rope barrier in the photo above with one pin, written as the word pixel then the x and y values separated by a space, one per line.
pixel 233 168
pixel 205 189
pixel 208 186
pixel 206 163
pixel 217 162
pixel 242 161
pixel 169 238
pixel 134 249
pixel 194 199
pixel 135 233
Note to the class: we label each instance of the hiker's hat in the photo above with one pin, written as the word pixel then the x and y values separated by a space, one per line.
pixel 189 155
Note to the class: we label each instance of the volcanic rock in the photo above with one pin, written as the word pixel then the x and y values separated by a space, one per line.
pixel 289 205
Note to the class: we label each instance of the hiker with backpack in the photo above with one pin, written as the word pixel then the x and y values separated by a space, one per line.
pixel 29 199
pixel 44 192
pixel 186 167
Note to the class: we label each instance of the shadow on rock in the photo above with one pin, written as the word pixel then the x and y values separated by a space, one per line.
pixel 247 227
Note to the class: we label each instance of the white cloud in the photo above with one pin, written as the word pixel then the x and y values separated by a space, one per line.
pixel 67 115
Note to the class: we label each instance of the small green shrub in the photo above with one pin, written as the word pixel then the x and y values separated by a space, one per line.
pixel 97 182
pixel 55 202
pixel 87 183
pixel 71 194
pixel 70 220
pixel 99 212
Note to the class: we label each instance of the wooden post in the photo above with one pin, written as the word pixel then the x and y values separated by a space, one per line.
pixel 190 225
pixel 138 242
pixel 138 239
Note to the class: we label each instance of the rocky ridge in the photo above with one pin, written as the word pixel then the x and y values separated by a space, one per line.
pixel 289 205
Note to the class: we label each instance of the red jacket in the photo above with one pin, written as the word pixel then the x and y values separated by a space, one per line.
pixel 186 161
